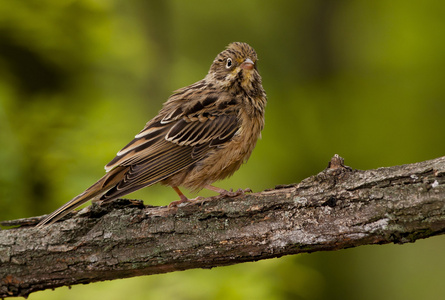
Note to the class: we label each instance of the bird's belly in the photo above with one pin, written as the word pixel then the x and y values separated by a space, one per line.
pixel 219 163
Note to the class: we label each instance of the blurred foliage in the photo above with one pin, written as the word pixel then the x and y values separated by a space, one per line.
pixel 363 79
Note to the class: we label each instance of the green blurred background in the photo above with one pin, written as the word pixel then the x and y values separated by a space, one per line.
pixel 364 79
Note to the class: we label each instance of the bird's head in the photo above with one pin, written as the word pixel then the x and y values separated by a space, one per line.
pixel 236 65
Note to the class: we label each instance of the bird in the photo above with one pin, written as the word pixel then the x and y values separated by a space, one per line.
pixel 203 133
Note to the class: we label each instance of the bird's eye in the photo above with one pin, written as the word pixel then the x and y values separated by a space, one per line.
pixel 229 63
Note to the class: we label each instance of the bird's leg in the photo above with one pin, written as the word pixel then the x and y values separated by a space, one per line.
pixel 226 193
pixel 183 198
pixel 220 191
pixel 181 195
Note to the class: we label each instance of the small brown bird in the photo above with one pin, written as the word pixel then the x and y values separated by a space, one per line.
pixel 203 133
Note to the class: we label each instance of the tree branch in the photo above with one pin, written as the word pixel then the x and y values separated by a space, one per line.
pixel 337 208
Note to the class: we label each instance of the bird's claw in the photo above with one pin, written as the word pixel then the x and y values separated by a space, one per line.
pixel 231 193
pixel 186 200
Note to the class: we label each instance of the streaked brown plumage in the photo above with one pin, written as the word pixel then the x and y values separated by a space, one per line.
pixel 203 133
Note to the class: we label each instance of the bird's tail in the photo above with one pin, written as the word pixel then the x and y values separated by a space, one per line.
pixel 93 192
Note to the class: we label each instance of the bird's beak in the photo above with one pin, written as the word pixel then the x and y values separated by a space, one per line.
pixel 247 64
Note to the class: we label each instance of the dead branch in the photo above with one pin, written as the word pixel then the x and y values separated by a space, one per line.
pixel 335 209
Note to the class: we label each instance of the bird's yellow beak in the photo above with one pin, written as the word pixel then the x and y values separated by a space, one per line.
pixel 248 64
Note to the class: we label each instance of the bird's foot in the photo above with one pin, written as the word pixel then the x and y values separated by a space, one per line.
pixel 183 200
pixel 226 193
pixel 238 192
pixel 176 203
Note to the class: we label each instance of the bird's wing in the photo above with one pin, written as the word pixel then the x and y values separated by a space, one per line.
pixel 171 143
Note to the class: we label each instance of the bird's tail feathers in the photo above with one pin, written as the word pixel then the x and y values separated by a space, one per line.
pixel 93 192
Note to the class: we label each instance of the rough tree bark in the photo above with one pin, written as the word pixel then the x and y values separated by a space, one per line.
pixel 337 208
